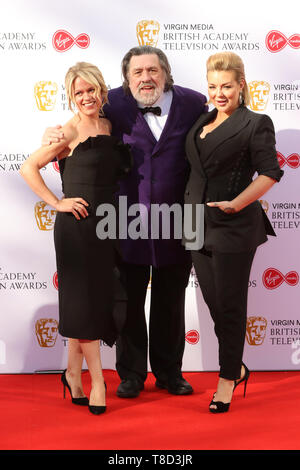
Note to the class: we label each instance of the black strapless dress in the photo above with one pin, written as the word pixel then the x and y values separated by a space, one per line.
pixel 86 266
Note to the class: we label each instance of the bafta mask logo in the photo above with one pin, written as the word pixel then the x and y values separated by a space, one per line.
pixel 256 330
pixel 264 205
pixel 147 32
pixel 44 216
pixel 45 95
pixel 46 330
pixel 259 95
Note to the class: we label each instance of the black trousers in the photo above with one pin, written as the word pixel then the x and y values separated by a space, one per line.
pixel 223 279
pixel 166 322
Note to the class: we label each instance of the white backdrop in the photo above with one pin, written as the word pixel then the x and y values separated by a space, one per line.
pixel 34 60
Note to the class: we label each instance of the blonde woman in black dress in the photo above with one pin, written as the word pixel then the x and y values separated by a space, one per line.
pixel 91 162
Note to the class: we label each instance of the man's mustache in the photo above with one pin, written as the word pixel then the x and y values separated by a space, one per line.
pixel 150 83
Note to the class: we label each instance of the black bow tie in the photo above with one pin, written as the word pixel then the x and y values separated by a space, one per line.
pixel 156 110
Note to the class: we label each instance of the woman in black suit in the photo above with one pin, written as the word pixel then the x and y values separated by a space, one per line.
pixel 225 147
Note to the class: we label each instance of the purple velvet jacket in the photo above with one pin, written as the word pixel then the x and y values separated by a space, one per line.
pixel 160 170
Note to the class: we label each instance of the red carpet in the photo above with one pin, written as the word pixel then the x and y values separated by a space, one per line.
pixel 34 416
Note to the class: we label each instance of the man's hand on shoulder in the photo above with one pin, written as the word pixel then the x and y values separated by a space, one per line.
pixel 52 135
pixel 107 124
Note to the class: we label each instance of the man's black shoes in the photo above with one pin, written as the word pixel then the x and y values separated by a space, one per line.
pixel 129 388
pixel 177 386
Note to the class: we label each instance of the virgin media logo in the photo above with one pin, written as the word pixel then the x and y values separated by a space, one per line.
pixel 63 41
pixel 55 165
pixel 293 160
pixel 272 278
pixel 55 280
pixel 276 41
pixel 192 337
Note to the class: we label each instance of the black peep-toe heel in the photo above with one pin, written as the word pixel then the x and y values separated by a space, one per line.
pixel 244 379
pixel 224 407
pixel 220 406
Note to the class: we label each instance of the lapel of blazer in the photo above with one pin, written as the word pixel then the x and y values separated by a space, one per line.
pixel 191 147
pixel 229 128
pixel 135 115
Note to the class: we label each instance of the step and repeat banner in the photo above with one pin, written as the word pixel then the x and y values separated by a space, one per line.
pixel 39 41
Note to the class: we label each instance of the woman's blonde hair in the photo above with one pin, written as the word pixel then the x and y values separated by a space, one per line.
pixel 229 62
pixel 91 74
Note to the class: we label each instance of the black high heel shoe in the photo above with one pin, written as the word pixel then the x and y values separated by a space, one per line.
pixel 224 407
pixel 244 379
pixel 220 406
pixel 83 401
pixel 98 410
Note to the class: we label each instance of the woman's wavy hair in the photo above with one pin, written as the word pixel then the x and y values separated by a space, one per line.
pixel 91 74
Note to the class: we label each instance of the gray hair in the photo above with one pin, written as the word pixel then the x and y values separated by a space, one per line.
pixel 142 50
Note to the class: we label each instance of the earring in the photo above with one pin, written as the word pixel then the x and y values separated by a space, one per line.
pixel 241 98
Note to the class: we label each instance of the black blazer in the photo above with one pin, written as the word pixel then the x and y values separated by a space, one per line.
pixel 242 145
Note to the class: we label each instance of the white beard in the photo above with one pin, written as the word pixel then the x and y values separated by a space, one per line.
pixel 150 98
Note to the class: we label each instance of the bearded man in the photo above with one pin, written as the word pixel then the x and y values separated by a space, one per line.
pixel 153 116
